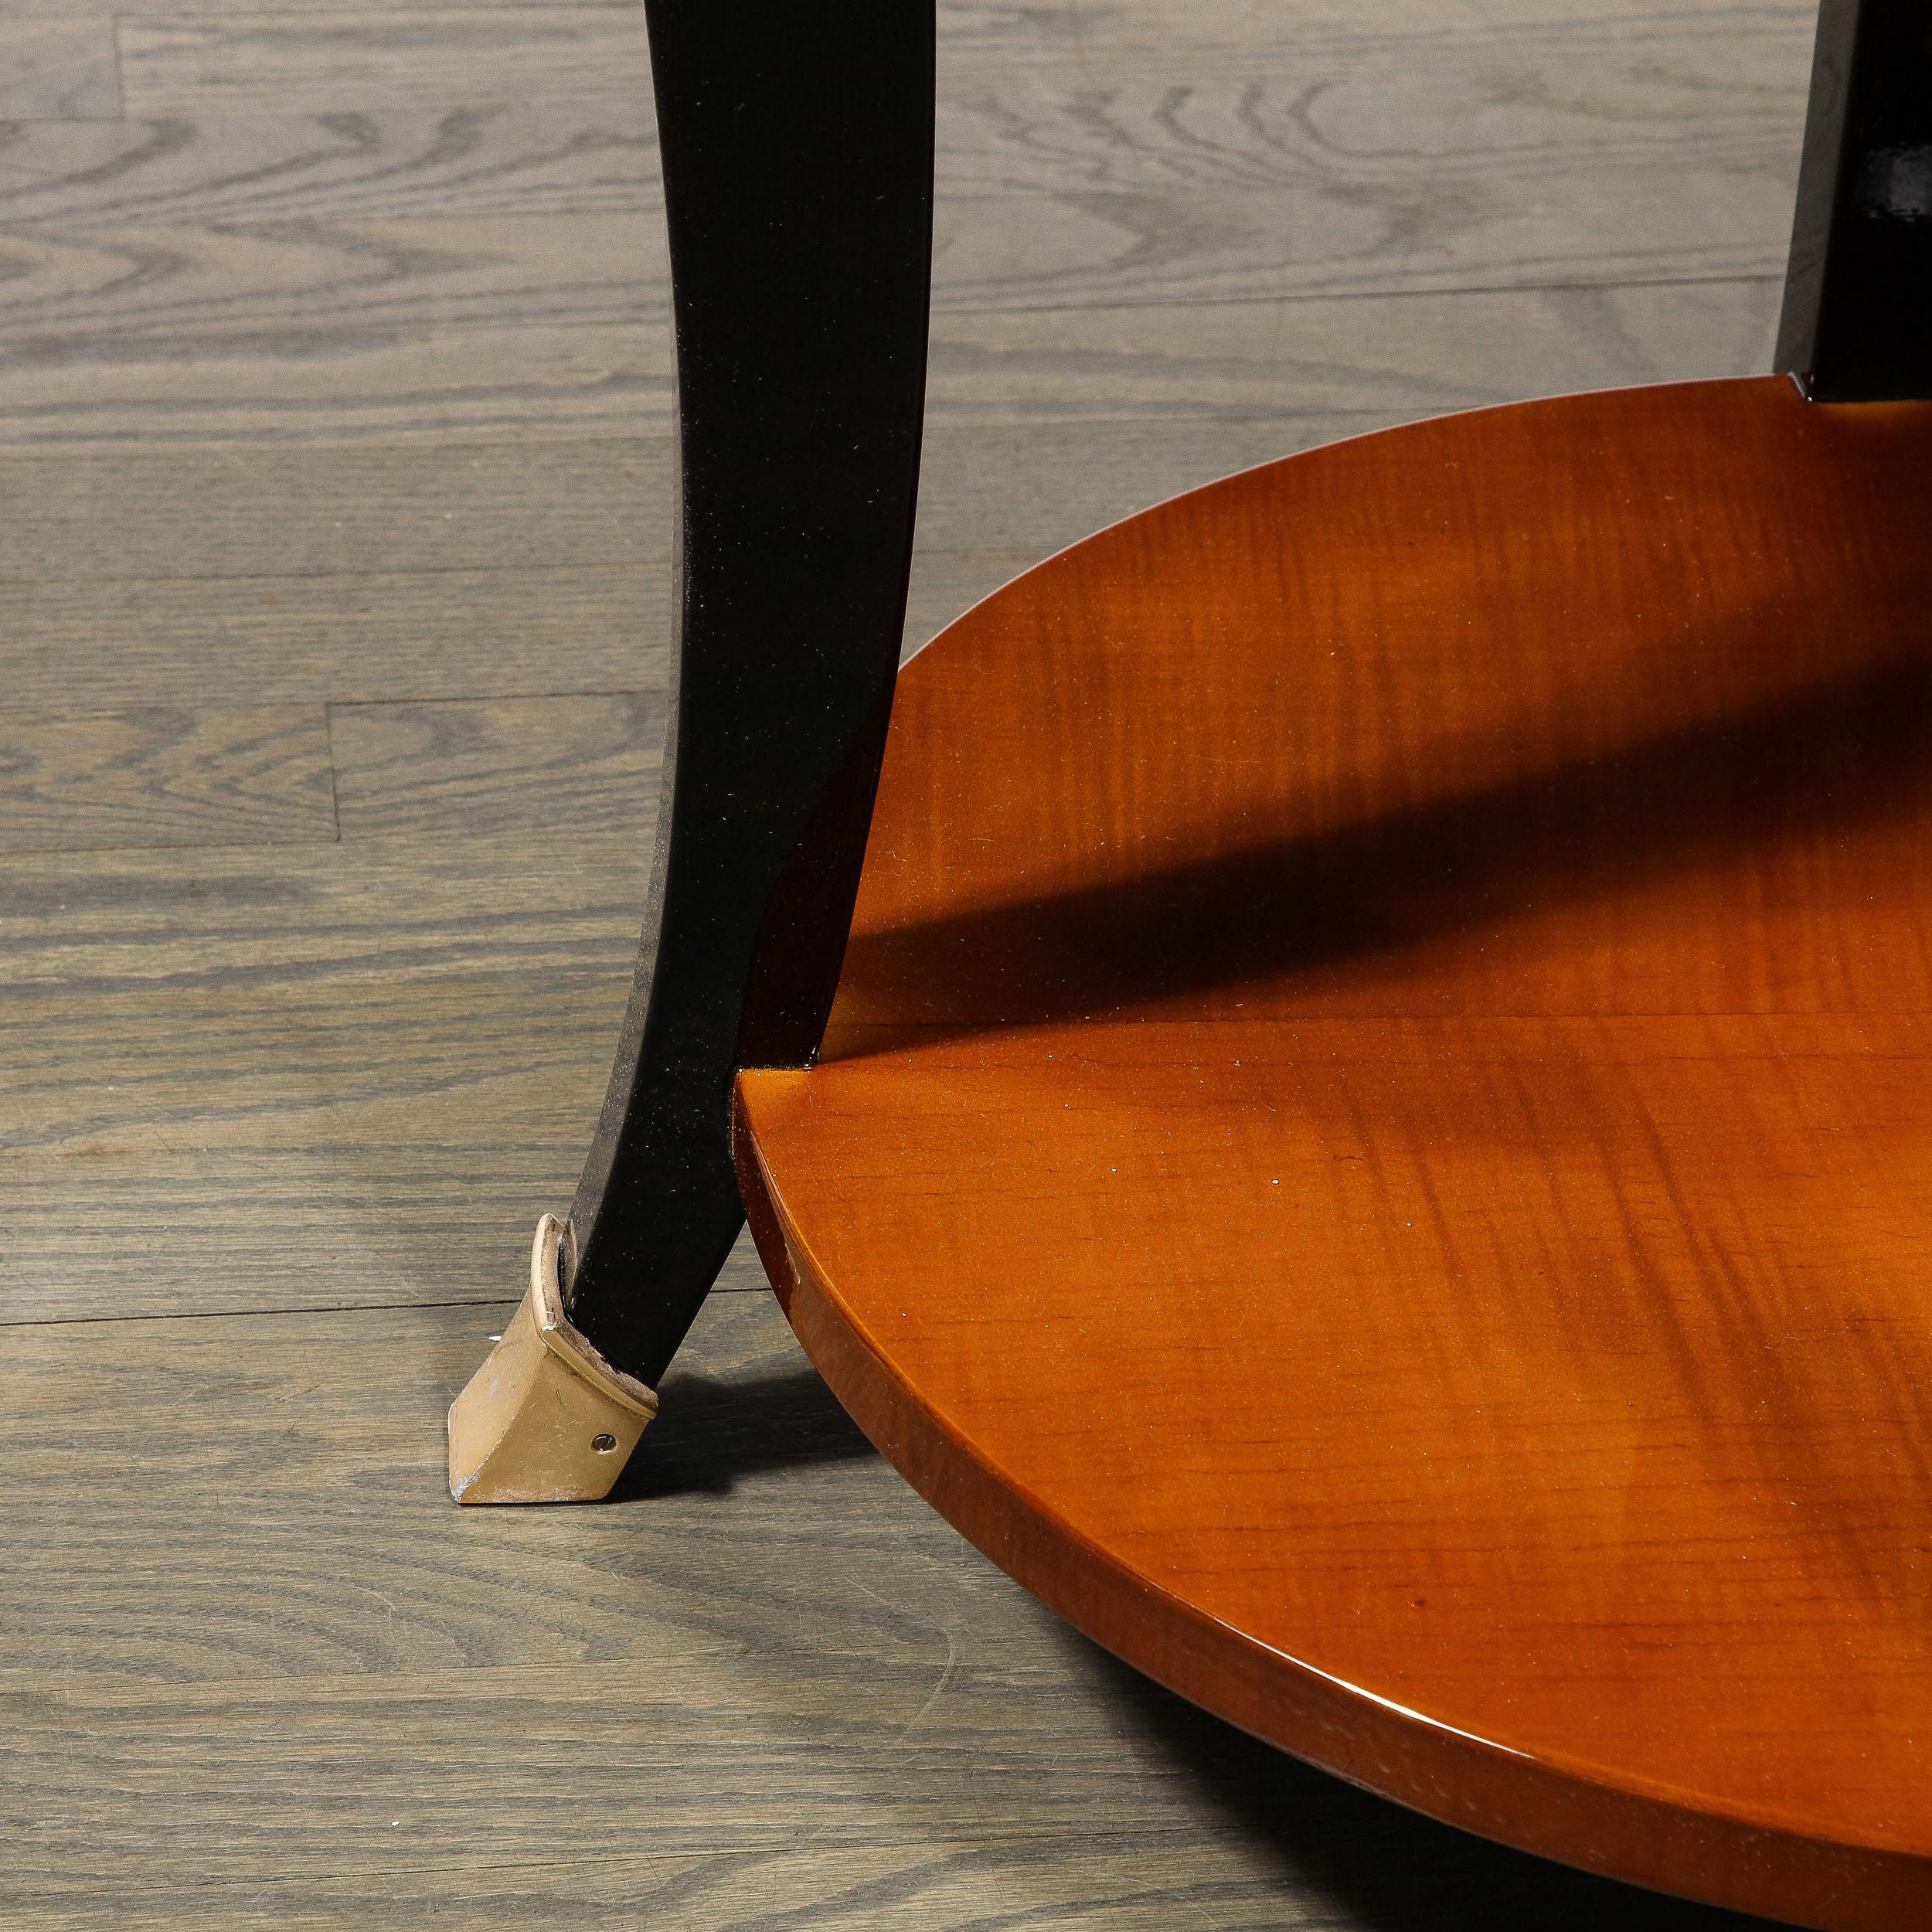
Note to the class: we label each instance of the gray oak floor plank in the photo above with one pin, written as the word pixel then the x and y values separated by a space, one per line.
pixel 221 511
pixel 1056 195
pixel 1534 154
pixel 380 510
pixel 1398 356
pixel 423 634
pixel 330 1680
pixel 507 326
pixel 427 326
pixel 1262 33
pixel 165 775
pixel 303 9
pixel 442 920
pixel 580 762
pixel 335 61
pixel 430 379
pixel 998 26
pixel 329 1039
pixel 1574 155
pixel 377 164
pixel 119 1226
pixel 1064 119
pixel 387 509
pixel 281 640
pixel 57 69
pixel 1169 1883
pixel 1323 1862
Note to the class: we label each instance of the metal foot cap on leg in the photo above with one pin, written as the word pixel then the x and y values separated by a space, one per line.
pixel 545 1419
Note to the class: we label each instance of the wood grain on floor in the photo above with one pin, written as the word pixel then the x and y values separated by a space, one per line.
pixel 310 222
pixel 572 765
pixel 165 775
pixel 57 69
pixel 336 395
pixel 339 62
pixel 283 1033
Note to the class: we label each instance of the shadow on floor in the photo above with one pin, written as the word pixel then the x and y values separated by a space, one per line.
pixel 711 1434
pixel 1374 1863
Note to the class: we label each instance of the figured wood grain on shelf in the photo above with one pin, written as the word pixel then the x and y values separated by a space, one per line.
pixel 1749 774
pixel 1421 946
pixel 165 775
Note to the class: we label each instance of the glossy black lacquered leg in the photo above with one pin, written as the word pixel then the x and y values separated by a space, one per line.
pixel 1857 323
pixel 798 147
pixel 797 165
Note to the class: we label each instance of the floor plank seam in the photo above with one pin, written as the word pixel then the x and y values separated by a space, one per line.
pixel 506 1300
pixel 1292 298
pixel 334 769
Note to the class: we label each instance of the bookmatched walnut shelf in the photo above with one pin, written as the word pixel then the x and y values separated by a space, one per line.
pixel 1374 1145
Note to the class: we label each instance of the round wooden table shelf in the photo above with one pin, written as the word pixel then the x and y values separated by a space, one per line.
pixel 1373 1148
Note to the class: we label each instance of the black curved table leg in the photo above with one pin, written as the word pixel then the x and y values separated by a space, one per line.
pixel 1857 324
pixel 797 146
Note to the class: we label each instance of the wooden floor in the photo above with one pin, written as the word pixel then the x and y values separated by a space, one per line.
pixel 335 392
